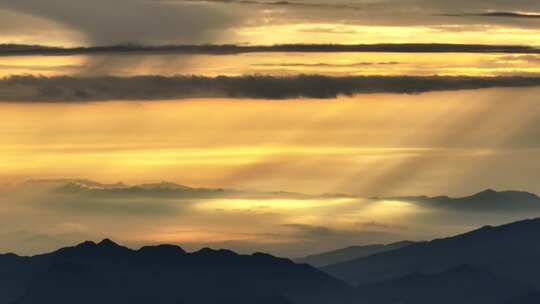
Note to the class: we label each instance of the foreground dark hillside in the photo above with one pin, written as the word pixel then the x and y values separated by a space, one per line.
pixel 462 284
pixel 491 265
pixel 109 273
pixel 510 251
pixel 349 253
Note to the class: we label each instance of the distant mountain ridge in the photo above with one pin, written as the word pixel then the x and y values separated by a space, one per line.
pixel 487 199
pixel 349 253
pixel 490 265
pixel 157 189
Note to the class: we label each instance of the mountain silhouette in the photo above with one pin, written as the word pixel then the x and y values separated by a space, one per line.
pixel 485 200
pixel 154 190
pixel 110 273
pixel 491 265
pixel 349 253
pixel 529 298
pixel 162 189
pixel 509 251
pixel 462 284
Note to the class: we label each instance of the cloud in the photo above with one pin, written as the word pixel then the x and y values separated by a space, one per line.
pixel 73 89
pixel 326 65
pixel 398 12
pixel 121 21
pixel 18 27
pixel 37 219
pixel 278 3
pixel 522 58
pixel 382 226
pixel 212 21
pixel 228 49
pixel 312 231
pixel 113 207
pixel 307 234
pixel 518 15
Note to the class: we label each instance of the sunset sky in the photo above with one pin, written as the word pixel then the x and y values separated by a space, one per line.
pixel 441 140
pixel 65 22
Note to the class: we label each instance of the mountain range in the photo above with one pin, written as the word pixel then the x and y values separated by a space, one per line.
pixel 490 265
pixel 154 190
pixel 509 251
pixel 109 273
pixel 461 284
pixel 485 200
pixel 349 253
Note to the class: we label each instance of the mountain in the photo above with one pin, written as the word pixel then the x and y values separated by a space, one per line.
pixel 489 199
pixel 349 253
pixel 463 284
pixel 89 188
pixel 529 298
pixel 163 189
pixel 12 271
pixel 509 251
pixel 491 265
pixel 109 273
pixel 44 184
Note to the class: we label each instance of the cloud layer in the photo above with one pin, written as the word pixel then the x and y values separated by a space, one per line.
pixel 282 224
pixel 133 21
pixel 218 21
pixel 73 89
pixel 15 49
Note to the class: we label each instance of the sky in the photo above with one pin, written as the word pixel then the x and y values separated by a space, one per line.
pixel 316 150
pixel 66 22
pixel 369 145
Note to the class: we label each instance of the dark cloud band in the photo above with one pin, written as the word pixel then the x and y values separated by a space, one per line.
pixel 74 89
pixel 277 3
pixel 516 15
pixel 14 49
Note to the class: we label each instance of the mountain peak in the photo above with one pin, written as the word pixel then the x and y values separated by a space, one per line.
pixel 108 244
pixel 162 250
pixel 163 185
pixel 486 193
pixel 509 196
pixel 103 273
pixel 89 248
pixel 86 244
pixel 489 191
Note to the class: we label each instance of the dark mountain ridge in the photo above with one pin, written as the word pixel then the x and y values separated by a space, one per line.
pixel 509 251
pixel 462 284
pixel 349 253
pixel 109 273
pixel 490 265
pixel 485 200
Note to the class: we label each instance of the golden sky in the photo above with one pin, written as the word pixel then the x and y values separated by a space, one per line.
pixel 370 144
pixel 59 22
pixel 385 145
pixel 332 64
